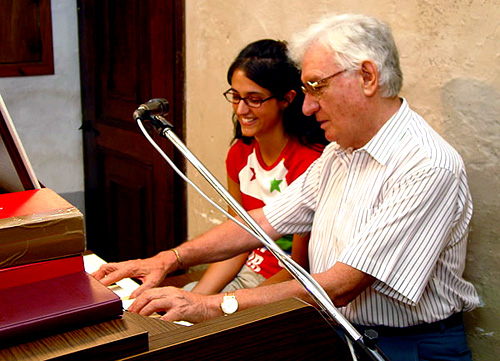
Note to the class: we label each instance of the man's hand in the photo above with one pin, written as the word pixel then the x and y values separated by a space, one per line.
pixel 150 271
pixel 178 304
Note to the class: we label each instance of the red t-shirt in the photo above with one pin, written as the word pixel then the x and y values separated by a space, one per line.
pixel 260 183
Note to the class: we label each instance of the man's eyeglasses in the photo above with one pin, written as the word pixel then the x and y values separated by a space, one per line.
pixel 252 101
pixel 314 88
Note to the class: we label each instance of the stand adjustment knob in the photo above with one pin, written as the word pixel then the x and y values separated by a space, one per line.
pixel 370 338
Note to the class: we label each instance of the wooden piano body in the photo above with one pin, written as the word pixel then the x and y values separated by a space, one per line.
pixel 285 330
pixel 289 329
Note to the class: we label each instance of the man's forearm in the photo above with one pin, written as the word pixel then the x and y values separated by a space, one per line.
pixel 342 283
pixel 222 242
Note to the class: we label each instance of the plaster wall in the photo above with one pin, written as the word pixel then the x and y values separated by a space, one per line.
pixel 450 52
pixel 46 111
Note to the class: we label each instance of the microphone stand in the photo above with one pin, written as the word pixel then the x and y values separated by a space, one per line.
pixel 317 293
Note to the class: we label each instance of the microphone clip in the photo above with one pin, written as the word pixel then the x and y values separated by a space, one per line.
pixel 160 124
pixel 156 106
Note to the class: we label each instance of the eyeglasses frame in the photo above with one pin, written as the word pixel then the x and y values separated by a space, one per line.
pixel 315 92
pixel 245 99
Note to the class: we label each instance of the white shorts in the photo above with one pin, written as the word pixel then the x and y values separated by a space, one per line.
pixel 246 278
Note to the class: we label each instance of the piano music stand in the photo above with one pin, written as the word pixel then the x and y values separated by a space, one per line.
pixel 16 158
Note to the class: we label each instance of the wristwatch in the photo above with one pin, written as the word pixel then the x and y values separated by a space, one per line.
pixel 229 304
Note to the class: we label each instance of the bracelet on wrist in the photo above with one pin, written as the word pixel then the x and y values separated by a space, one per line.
pixel 179 261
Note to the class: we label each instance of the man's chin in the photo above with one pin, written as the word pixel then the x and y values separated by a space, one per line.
pixel 330 137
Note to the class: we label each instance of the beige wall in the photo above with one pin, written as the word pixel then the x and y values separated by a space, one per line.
pixel 46 110
pixel 450 59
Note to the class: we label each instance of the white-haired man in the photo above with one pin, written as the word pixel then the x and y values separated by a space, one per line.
pixel 387 204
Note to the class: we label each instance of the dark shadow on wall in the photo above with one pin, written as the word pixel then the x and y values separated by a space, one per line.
pixel 471 123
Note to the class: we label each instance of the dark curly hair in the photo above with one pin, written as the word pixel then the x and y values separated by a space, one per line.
pixel 266 62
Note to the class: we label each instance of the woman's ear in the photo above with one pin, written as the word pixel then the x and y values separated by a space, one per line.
pixel 290 96
pixel 369 76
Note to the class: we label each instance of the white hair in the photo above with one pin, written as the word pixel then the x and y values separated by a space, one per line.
pixel 353 39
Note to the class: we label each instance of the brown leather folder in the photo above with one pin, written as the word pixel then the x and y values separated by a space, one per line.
pixel 38 225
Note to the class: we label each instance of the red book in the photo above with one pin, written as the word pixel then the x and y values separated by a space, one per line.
pixel 34 272
pixel 54 305
pixel 37 201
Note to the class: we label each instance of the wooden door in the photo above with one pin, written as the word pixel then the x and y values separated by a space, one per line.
pixel 130 51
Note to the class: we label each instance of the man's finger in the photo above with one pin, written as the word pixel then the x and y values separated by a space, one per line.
pixel 108 275
pixel 138 291
pixel 100 273
pixel 141 300
pixel 154 305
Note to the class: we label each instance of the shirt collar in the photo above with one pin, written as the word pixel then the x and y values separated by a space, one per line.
pixel 384 143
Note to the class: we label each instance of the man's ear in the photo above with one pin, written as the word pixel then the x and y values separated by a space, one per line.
pixel 369 76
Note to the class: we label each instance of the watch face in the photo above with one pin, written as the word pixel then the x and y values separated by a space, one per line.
pixel 229 305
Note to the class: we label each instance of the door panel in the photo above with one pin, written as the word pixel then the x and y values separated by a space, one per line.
pixel 131 51
pixel 128 186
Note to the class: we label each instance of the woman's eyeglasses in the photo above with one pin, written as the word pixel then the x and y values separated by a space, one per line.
pixel 252 101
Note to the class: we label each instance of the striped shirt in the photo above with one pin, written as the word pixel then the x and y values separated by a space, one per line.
pixel 397 209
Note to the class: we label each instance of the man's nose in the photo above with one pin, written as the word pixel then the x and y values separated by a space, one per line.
pixel 310 106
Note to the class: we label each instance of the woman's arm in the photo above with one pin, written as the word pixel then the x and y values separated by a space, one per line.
pixel 299 255
pixel 219 274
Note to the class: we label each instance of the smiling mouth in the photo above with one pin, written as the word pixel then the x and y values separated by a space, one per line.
pixel 245 121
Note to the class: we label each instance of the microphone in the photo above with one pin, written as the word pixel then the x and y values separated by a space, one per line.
pixel 152 107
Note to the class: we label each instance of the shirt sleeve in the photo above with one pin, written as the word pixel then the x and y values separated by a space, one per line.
pixel 234 160
pixel 405 235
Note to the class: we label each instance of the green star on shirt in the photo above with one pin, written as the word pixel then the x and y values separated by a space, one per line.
pixel 275 185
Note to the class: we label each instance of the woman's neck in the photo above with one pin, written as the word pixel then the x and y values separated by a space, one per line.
pixel 271 147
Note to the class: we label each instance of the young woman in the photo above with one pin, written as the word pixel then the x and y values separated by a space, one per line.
pixel 274 143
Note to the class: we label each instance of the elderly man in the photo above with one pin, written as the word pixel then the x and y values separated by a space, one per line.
pixel 387 204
